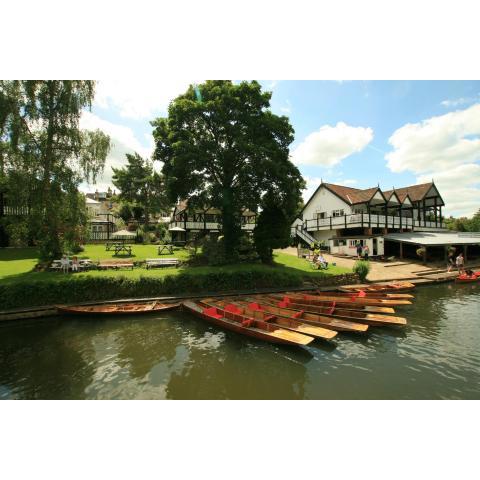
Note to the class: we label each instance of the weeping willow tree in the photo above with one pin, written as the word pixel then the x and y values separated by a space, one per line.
pixel 41 137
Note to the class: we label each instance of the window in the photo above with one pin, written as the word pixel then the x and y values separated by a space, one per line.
pixel 321 215
pixel 338 213
pixel 358 210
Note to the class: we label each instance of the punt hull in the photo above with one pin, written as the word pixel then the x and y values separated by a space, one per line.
pixel 266 332
pixel 116 308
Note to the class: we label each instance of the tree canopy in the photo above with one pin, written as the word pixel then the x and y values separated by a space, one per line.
pixel 141 186
pixel 222 146
pixel 41 140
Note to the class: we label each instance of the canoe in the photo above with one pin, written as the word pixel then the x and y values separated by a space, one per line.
pixel 352 299
pixel 247 326
pixel 387 287
pixel 117 308
pixel 358 316
pixel 347 304
pixel 332 323
pixel 362 293
pixel 255 311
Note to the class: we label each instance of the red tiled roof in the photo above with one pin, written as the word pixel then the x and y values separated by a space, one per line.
pixel 415 192
pixel 352 195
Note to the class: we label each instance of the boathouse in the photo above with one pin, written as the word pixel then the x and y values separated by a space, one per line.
pixel 341 217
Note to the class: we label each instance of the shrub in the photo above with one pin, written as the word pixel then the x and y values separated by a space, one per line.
pixel 361 268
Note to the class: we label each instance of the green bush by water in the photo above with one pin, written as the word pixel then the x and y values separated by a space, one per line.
pixel 362 269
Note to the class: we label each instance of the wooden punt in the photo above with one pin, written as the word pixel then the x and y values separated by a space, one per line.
pixel 386 296
pixel 257 312
pixel 346 304
pixel 373 319
pixel 355 300
pixel 332 323
pixel 387 287
pixel 247 326
pixel 117 308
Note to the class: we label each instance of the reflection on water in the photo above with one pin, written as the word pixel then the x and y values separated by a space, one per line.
pixel 178 356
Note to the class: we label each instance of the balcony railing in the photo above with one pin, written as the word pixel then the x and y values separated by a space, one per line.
pixel 361 220
pixel 189 225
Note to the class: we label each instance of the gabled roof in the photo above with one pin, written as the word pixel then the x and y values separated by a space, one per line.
pixel 415 192
pixel 351 195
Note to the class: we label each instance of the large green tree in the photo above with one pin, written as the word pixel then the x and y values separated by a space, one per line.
pixel 223 147
pixel 41 133
pixel 141 186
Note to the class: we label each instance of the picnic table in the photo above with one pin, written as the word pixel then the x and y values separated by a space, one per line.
pixel 121 247
pixel 83 264
pixel 166 249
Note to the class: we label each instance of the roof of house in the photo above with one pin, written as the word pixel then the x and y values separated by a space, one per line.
pixel 91 201
pixel 353 196
pixel 415 192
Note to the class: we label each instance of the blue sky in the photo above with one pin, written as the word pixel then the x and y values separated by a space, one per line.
pixel 357 133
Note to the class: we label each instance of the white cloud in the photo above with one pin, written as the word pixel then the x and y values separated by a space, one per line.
pixel 123 141
pixel 456 102
pixel 329 145
pixel 349 182
pixel 142 98
pixel 447 149
pixel 436 143
pixel 287 108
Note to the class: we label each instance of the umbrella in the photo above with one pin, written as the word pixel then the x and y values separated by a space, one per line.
pixel 124 234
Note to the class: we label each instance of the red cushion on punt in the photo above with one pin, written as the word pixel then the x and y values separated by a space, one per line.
pixel 332 308
pixel 298 314
pixel 232 308
pixel 254 306
pixel 286 299
pixel 212 312
pixel 361 293
pixel 283 304
pixel 247 322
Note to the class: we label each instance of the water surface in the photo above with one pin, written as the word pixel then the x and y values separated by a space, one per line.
pixel 175 355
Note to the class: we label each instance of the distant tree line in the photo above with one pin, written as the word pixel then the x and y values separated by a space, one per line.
pixel 464 224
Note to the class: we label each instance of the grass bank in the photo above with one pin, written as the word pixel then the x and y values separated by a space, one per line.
pixel 22 287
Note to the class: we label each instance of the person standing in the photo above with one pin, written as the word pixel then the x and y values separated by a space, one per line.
pixel 460 262
pixel 450 261
pixel 366 252
pixel 359 251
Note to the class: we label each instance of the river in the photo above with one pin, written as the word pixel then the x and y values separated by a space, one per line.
pixel 177 356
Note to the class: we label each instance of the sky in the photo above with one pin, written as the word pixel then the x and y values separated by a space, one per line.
pixel 355 133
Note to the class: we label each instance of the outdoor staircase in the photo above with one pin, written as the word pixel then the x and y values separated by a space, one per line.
pixel 303 235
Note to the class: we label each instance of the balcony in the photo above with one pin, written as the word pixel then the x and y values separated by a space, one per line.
pixel 207 226
pixel 365 220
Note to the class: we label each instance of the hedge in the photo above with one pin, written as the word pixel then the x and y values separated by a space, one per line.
pixel 84 289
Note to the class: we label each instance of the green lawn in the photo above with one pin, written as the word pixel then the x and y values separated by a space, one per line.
pixel 16 265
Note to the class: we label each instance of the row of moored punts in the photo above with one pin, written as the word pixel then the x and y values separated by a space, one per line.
pixel 295 318
pixel 291 318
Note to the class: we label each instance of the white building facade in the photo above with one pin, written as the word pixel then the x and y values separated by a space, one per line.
pixel 341 218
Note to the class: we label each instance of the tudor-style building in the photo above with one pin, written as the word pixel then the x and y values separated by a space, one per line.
pixel 186 222
pixel 342 217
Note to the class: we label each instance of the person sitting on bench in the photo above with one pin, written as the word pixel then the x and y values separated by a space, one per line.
pixel 321 261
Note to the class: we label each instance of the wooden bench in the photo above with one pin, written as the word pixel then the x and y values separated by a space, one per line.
pixel 161 262
pixel 110 245
pixel 115 265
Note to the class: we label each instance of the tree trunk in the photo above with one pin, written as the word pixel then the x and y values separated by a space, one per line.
pixel 230 227
pixel 50 243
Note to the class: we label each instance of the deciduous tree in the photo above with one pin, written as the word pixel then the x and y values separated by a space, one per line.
pixel 223 147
